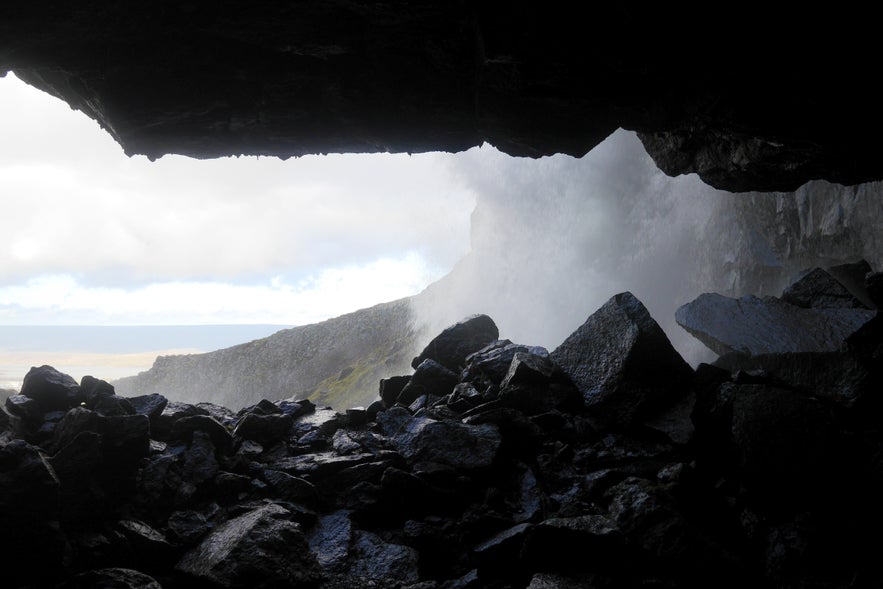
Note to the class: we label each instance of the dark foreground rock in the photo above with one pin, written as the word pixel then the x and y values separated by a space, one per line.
pixel 608 463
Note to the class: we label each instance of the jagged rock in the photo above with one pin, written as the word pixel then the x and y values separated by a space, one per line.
pixel 491 363
pixel 392 420
pixel 390 388
pixel 92 389
pixel 173 411
pixel 264 429
pixel 330 539
pixel 853 277
pixel 622 363
pixel 184 428
pixel 291 488
pixel 53 390
pixel 24 407
pixel 188 526
pixel 838 377
pixel 296 407
pixel 112 578
pixel 451 347
pixel 374 408
pixel 816 289
pixel 454 444
pixel 533 385
pixel 220 413
pixel 429 378
pixel 111 406
pixel 767 326
pixel 151 405
pixel 260 549
pixel 124 439
pixel 198 463
pixel 384 562
pixel 322 422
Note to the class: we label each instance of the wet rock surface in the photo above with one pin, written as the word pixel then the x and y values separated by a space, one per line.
pixel 762 475
pixel 218 79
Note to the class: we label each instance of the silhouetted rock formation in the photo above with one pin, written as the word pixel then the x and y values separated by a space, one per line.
pixel 747 102
pixel 608 463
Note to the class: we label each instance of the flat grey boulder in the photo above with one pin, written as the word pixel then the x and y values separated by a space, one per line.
pixel 623 363
pixel 755 326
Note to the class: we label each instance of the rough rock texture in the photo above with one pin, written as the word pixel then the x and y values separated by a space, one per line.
pixel 221 78
pixel 818 289
pixel 745 479
pixel 768 326
pixel 451 347
pixel 622 362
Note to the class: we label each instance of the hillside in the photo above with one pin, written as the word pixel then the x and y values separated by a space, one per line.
pixel 336 362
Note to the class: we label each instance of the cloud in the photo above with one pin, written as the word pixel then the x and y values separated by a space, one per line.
pixel 74 205
pixel 61 299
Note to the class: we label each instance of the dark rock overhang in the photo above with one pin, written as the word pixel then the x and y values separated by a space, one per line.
pixel 746 101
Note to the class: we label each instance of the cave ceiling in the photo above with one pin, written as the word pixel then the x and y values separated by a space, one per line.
pixel 746 101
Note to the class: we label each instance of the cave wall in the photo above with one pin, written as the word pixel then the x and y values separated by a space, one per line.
pixel 750 101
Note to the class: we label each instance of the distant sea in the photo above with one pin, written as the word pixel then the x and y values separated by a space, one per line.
pixel 110 352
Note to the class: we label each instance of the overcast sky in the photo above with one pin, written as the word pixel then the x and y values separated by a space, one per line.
pixel 90 236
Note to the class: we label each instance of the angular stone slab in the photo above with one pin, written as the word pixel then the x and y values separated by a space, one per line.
pixel 755 326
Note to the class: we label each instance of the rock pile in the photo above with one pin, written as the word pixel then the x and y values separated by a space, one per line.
pixel 608 462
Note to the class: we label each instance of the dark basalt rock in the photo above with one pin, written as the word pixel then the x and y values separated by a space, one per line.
pixel 768 475
pixel 264 429
pixel 816 289
pixel 622 363
pixel 430 378
pixel 150 405
pixel 51 389
pixel 491 363
pixel 260 549
pixel 767 326
pixel 453 345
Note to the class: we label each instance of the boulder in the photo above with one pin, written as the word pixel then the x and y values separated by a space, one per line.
pixel 490 364
pixel 854 277
pixel 52 389
pixel 184 428
pixel 450 443
pixel 817 289
pixel 451 347
pixel 26 408
pixel 261 549
pixel 391 387
pixel 430 378
pixel 150 405
pixel 622 363
pixel 755 326
pixel 266 429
